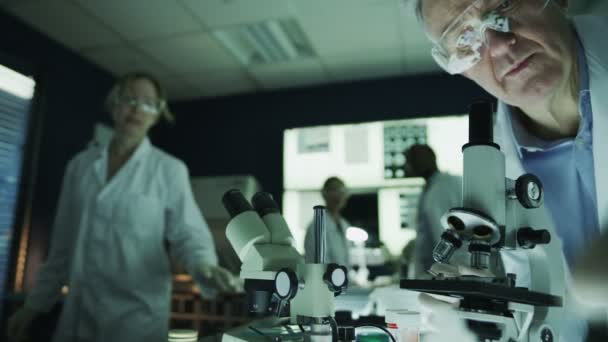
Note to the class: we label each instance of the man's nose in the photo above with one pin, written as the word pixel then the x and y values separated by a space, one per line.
pixel 499 43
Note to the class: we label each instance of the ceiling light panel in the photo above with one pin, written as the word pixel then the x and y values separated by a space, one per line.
pixel 267 42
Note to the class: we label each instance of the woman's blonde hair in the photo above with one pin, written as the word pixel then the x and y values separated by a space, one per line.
pixel 123 83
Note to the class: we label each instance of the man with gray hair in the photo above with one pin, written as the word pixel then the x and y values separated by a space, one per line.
pixel 550 76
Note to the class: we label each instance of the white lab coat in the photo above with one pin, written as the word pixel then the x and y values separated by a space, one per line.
pixel 109 246
pixel 336 245
pixel 592 31
pixel 441 193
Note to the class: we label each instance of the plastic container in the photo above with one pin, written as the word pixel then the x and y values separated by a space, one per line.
pixel 404 325
pixel 372 337
pixel 183 335
pixel 394 298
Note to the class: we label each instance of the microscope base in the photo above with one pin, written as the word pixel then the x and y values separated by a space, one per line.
pixel 264 330
pixel 273 329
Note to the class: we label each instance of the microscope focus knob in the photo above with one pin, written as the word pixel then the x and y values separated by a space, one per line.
pixel 336 278
pixel 286 284
pixel 528 238
pixel 529 191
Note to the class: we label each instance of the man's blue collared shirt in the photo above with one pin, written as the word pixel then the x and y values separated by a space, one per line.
pixel 565 167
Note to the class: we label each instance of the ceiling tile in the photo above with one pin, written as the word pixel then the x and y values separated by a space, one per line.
pixel 296 73
pixel 64 22
pixel 372 64
pixel 218 83
pixel 416 47
pixel 190 53
pixel 122 59
pixel 354 39
pixel 219 13
pixel 179 88
pixel 345 26
pixel 143 19
pixel 421 66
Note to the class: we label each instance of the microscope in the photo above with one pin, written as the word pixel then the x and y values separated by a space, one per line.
pixel 501 224
pixel 278 281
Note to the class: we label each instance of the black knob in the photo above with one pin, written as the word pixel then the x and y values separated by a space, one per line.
pixel 235 203
pixel 264 204
pixel 528 238
pixel 346 334
pixel 480 122
pixel 529 191
pixel 546 335
pixel 336 278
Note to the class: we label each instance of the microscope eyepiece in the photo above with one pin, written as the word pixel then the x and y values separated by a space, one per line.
pixel 264 204
pixel 235 203
pixel 481 125
pixel 480 122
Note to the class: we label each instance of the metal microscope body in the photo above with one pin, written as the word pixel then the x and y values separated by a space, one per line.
pixel 275 272
pixel 507 235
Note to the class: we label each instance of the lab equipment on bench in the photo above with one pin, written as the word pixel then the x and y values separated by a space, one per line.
pixel 501 220
pixel 298 296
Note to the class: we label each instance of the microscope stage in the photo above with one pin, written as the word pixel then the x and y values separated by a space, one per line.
pixel 469 289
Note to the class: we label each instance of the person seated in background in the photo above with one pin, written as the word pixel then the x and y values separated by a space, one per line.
pixel 122 209
pixel 335 195
pixel 441 193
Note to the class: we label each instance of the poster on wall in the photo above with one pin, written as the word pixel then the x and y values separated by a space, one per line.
pixel 313 140
pixel 356 145
pixel 398 138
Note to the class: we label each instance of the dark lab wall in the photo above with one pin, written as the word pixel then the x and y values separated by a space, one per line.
pixel 72 92
pixel 244 134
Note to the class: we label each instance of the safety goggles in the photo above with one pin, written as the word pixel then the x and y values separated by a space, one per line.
pixel 461 44
pixel 151 107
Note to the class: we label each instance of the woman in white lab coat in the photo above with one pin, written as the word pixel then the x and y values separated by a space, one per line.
pixel 122 209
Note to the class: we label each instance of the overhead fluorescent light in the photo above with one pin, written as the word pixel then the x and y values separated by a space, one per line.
pixel 16 84
pixel 266 42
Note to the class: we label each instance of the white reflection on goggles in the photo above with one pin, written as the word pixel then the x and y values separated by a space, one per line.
pixel 147 106
pixel 459 46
